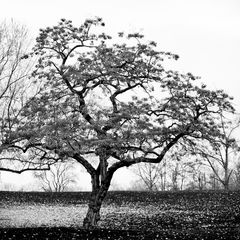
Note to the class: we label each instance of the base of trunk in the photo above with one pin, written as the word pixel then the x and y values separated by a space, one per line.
pixel 92 218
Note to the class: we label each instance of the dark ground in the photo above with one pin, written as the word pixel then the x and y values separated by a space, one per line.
pixel 136 215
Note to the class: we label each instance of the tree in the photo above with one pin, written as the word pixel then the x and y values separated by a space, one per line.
pixel 12 74
pixel 149 174
pixel 177 167
pixel 214 182
pixel 163 175
pixel 198 174
pixel 98 100
pixel 219 153
pixel 58 178
pixel 237 176
pixel 15 90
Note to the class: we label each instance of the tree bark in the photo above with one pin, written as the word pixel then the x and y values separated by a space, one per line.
pixel 99 192
pixel 93 214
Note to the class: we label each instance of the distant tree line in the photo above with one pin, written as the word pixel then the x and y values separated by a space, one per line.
pixel 209 165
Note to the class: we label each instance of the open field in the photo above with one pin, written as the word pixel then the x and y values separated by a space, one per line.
pixel 131 215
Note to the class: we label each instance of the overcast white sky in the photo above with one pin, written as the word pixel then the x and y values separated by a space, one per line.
pixel 205 33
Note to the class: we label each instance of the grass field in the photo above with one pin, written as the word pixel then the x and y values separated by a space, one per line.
pixel 124 215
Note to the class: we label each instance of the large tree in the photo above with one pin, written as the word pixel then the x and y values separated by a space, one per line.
pixel 112 105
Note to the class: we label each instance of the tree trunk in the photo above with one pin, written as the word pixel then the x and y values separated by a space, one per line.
pixel 226 177
pixel 93 214
pixel 101 180
pixel 226 184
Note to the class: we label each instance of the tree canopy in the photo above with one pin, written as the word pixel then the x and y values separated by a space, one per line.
pixel 99 95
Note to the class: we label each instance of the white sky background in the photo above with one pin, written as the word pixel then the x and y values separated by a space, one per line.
pixel 205 33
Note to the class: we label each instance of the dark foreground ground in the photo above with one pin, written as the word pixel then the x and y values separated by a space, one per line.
pixel 125 215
